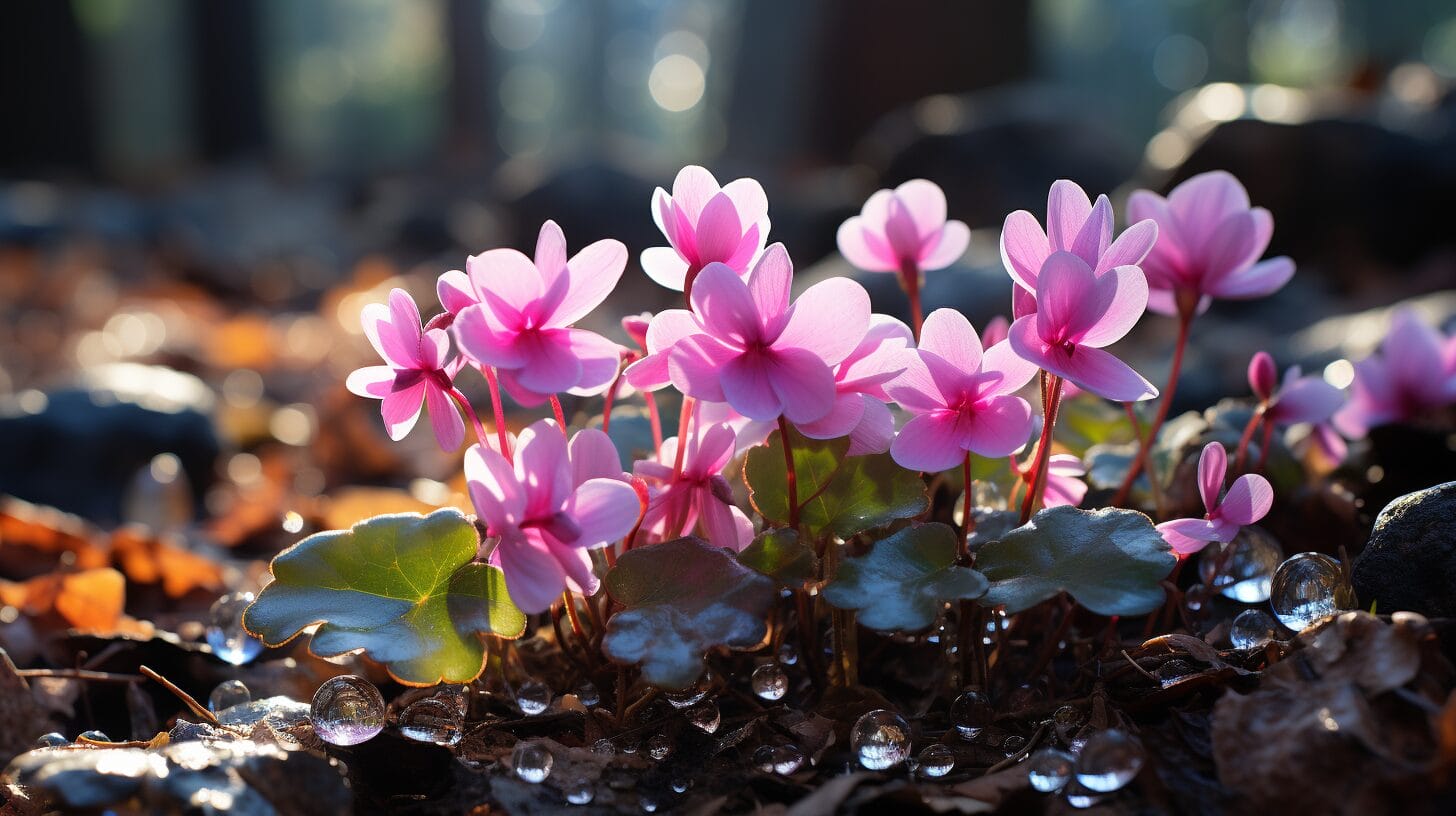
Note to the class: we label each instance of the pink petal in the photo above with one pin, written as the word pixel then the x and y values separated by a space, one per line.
pixel 995 330
pixel 600 360
pixel 1414 356
pixel 949 335
pixel 694 366
pixel 803 383
pixel 401 409
pixel 1131 247
pixel 549 364
pixel 746 387
pixel 1202 202
pixel 718 230
pixel 769 282
pixel 714 450
pixel 877 359
pixel 999 427
pixel 829 319
pixel 494 490
pixel 875 430
pixel 1015 371
pixel 375 319
pixel 665 267
pixel 858 250
pixel 543 467
pixel 692 189
pixel 1248 500
pixel 1228 248
pixel 666 329
pixel 1187 536
pixel 1263 376
pixel 1064 486
pixel 748 249
pixel 550 257
pixel 901 231
pixel 1068 300
pixel 1307 399
pixel 848 409
pixel 479 339
pixel 876 212
pixel 1095 236
pixel 916 389
pixel 723 524
pixel 947 248
pixel 1023 302
pixel 604 509
pixel 1125 290
pixel 1263 278
pixel 931 442
pixel 371 381
pixel 593 456
pixel 749 199
pixel 925 203
pixel 662 214
pixel 1212 465
pixel 454 290
pixel 577 563
pixel 506 282
pixel 1165 262
pixel 1091 368
pixel 593 273
pixel 405 318
pixel 725 307
pixel 1024 248
pixel 445 419
pixel 1067 210
pixel 534 578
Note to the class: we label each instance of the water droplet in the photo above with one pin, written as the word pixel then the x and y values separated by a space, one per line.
pixel 1196 598
pixel 532 761
pixel 971 713
pixel 788 655
pixel 1304 590
pixel 603 747
pixel 936 760
pixel 705 716
pixel 434 719
pixel 1109 760
pixel 880 739
pixel 228 694
pixel 1049 769
pixel 780 759
pixel 1067 720
pixel 533 697
pixel 1013 744
pixel 659 746
pixel 770 682
pixel 580 792
pixel 1173 672
pixel 52 740
pixel 692 694
pixel 588 695
pixel 347 710
pixel 681 785
pixel 225 633
pixel 630 746
pixel 1081 798
pixel 1247 569
pixel 93 735
pixel 648 803
pixel 1252 629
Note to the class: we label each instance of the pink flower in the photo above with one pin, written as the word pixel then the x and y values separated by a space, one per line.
pixel 1209 240
pixel 1075 225
pixel 1248 499
pixel 549 508
pixel 904 230
pixel 1078 313
pixel 1298 399
pixel 698 494
pixel 1064 485
pixel 705 224
pixel 995 330
pixel 1413 373
pixel 962 399
pixel 417 373
pixel 521 320
pixel 759 353
pixel 859 410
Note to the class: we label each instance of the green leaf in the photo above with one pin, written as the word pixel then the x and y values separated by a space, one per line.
pixel 903 580
pixel 1086 420
pixel 779 554
pixel 682 598
pixel 1112 561
pixel 401 587
pixel 839 494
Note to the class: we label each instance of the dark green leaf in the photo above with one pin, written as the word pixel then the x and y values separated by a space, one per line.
pixel 401 587
pixel 779 554
pixel 682 598
pixel 1110 560
pixel 902 581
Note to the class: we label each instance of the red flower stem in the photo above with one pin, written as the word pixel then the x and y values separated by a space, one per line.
pixel 501 434
pixel 1185 324
pixel 654 417
pixel 571 614
pixel 910 281
pixel 683 418
pixel 1245 439
pixel 791 478
pixel 1264 444
pixel 1043 448
pixel 968 515
pixel 611 396
pixel 469 412
pixel 560 414
pixel 1153 481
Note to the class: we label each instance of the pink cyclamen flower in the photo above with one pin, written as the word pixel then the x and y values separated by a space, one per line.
pixel 549 508
pixel 1413 373
pixel 521 320
pixel 1064 485
pixel 904 230
pixel 704 224
pixel 859 410
pixel 1075 225
pixel 698 494
pixel 1209 243
pixel 761 354
pixel 417 374
pixel 1297 399
pixel 1078 313
pixel 963 399
pixel 1248 499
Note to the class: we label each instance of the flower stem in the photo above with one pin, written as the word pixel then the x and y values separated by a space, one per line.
pixel 559 413
pixel 654 417
pixel 1245 439
pixel 611 395
pixel 910 281
pixel 1264 443
pixel 1043 448
pixel 502 435
pixel 469 412
pixel 791 478
pixel 685 417
pixel 968 515
pixel 1165 402
pixel 1153 481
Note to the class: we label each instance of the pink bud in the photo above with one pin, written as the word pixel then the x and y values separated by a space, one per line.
pixel 1263 376
pixel 636 328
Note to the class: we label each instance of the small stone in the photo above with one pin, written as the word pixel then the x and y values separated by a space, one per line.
pixel 1410 561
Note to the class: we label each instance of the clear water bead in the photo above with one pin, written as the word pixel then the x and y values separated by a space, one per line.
pixel 659 746
pixel 770 682
pixel 580 792
pixel 93 735
pixel 533 697
pixel 225 633
pixel 705 716
pixel 588 695
pixel 778 759
pixel 971 713
pixel 1305 589
pixel 227 694
pixel 1252 629
pixel 1109 760
pixel 692 694
pixel 880 739
pixel 52 740
pixel 436 720
pixel 788 655
pixel 681 785
pixel 1049 769
pixel 532 761
pixel 1013 744
pixel 603 747
pixel 1248 568
pixel 936 760
pixel 347 710
pixel 1081 797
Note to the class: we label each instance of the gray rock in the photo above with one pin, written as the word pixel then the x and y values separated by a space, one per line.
pixel 1410 561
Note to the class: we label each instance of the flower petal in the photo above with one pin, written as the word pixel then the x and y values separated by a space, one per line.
pixel 1067 210
pixel 718 230
pixel 875 430
pixel 999 426
pixel 769 282
pixel 604 509
pixel 1212 465
pixel 1130 248
pixel 445 419
pixel 1187 536
pixel 1307 399
pixel 931 442
pixel 749 199
pixel 1015 371
pixel 723 304
pixel 1024 248
pixel 695 367
pixel 829 320
pixel 1068 300
pixel 666 329
pixel 534 578
pixel 454 291
pixel 549 364
pixel 401 409
pixel 1125 291
pixel 543 467
pixel 949 335
pixel 494 490
pixel 842 418
pixel 550 258
pixel 855 246
pixel 1095 236
pixel 924 201
pixel 665 267
pixel 506 282
pixel 593 456
pixel 947 248
pixel 803 383
pixel 600 360
pixel 1248 500
pixel 593 274
pixel 693 187
pixel 375 382
pixel 1202 202
pixel 1263 278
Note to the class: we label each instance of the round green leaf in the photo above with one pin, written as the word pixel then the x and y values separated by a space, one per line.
pixel 1112 561
pixel 401 587
pixel 779 554
pixel 903 580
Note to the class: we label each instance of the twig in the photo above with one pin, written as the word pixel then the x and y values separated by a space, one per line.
pixel 187 699
pixel 1022 754
pixel 82 674
pixel 1144 672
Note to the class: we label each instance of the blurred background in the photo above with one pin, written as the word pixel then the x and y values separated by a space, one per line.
pixel 196 198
